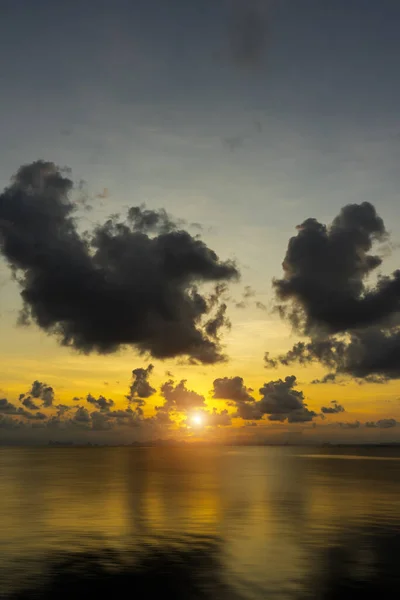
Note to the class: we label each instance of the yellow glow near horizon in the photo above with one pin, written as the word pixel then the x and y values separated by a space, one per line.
pixel 197 420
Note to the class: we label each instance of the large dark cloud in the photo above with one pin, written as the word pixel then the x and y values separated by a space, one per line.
pixel 131 282
pixel 324 287
pixel 178 397
pixel 140 388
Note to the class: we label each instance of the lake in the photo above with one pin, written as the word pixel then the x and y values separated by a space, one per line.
pixel 233 522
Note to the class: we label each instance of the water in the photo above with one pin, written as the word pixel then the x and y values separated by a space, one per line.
pixel 246 523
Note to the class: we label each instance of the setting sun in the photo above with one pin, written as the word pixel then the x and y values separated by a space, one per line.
pixel 197 420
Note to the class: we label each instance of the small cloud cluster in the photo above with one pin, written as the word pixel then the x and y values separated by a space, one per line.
pixel 333 409
pixel 101 402
pixel 38 391
pixel 280 401
pixel 140 388
pixel 178 397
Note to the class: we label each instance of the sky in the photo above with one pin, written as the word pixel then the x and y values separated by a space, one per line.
pixel 227 124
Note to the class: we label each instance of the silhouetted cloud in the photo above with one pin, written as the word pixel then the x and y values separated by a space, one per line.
pixel 279 400
pixel 132 282
pixel 334 408
pixel 29 403
pixel 7 407
pixel 81 415
pixel 371 355
pixel 178 397
pixel 40 391
pixel 382 423
pixel 101 402
pixel 324 286
pixel 231 388
pixel 140 388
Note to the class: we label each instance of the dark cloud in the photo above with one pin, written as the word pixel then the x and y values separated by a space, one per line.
pixel 7 407
pixel 100 421
pixel 43 392
pixel 333 408
pixel 29 403
pixel 101 402
pixel 371 355
pixel 324 287
pixel 280 401
pixel 140 388
pixel 328 378
pixel 178 397
pixel 132 282
pixel 248 32
pixel 231 388
pixel 81 416
pixel 382 423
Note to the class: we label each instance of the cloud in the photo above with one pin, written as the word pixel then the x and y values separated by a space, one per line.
pixel 371 355
pixel 324 287
pixel 353 324
pixel 382 423
pixel 42 391
pixel 179 398
pixel 29 403
pixel 101 402
pixel 248 32
pixel 140 388
pixel 280 401
pixel 100 421
pixel 132 282
pixel 333 409
pixel 81 416
pixel 231 388
pixel 10 409
pixel 7 407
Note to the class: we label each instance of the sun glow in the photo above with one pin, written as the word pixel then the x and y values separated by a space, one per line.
pixel 197 420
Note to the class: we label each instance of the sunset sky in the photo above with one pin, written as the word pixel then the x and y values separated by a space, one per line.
pixel 234 121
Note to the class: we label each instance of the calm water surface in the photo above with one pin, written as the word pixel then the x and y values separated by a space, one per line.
pixel 199 523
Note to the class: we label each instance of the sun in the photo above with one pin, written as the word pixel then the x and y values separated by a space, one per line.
pixel 197 420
